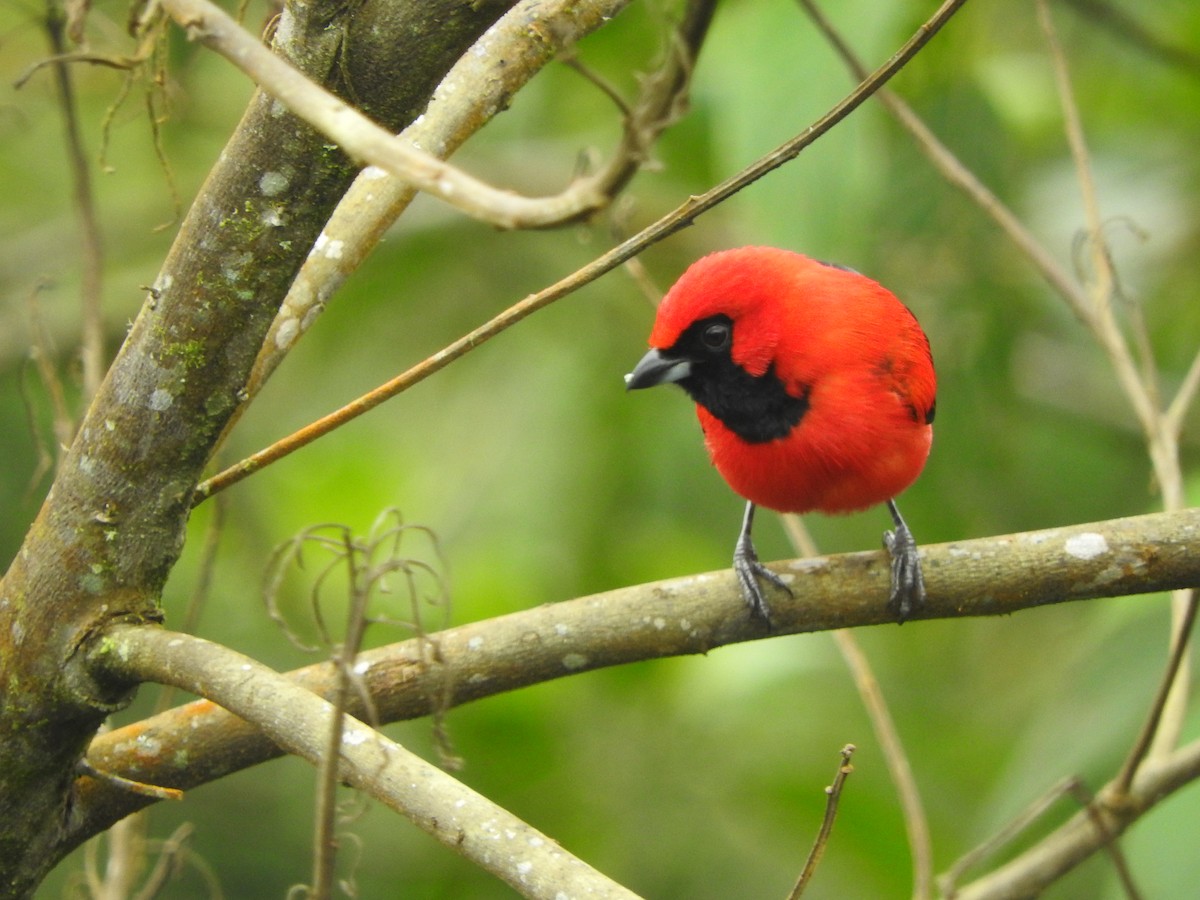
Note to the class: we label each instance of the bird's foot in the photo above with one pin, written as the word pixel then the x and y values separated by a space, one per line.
pixel 908 583
pixel 750 575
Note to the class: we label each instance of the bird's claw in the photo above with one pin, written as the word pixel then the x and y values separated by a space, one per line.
pixel 750 572
pixel 908 583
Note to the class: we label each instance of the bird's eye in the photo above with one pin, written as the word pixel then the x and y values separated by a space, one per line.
pixel 716 337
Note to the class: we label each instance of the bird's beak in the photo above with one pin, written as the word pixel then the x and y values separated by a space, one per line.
pixel 657 368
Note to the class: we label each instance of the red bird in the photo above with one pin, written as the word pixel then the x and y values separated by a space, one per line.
pixel 815 390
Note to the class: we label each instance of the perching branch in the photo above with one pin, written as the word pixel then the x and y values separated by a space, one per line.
pixel 695 614
pixel 299 722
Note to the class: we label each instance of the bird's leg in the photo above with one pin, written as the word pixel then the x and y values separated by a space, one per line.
pixel 908 584
pixel 749 570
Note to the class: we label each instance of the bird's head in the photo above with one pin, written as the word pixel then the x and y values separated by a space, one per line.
pixel 723 311
pixel 717 334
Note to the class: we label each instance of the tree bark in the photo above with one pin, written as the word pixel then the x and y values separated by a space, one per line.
pixel 113 523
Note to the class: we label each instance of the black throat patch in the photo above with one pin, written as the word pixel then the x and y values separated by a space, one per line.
pixel 755 408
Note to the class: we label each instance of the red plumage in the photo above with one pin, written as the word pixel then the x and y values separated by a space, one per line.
pixel 815 389
pixel 848 342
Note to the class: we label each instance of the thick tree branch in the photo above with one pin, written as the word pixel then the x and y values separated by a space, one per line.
pixel 299 721
pixel 113 523
pixel 200 742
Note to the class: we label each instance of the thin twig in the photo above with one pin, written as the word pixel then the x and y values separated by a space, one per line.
pixel 110 61
pixel 1146 737
pixel 91 250
pixel 42 352
pixel 359 568
pixel 662 100
pixel 680 218
pixel 1162 729
pixel 1140 384
pixel 1126 28
pixel 154 791
pixel 1181 403
pixel 1070 785
pixel 833 795
pixel 572 61
pixel 1002 837
pixel 329 765
pixel 1103 273
pixel 173 854
pixel 916 823
pixel 959 176
pixel 477 87
pixel 1142 393
pixel 1110 844
pixel 328 777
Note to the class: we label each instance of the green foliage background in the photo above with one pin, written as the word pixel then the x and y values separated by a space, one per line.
pixel 543 480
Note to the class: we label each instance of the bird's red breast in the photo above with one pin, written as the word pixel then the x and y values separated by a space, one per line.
pixel 836 367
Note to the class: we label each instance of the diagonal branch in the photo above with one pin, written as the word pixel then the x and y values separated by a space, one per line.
pixel 676 220
pixel 833 795
pixel 445 808
pixel 481 84
pixel 1089 829
pixel 959 176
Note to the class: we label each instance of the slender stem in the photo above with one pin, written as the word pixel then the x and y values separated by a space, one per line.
pixel 916 823
pixel 833 797
pixel 91 249
pixel 1182 401
pixel 1176 660
pixel 678 219
pixel 1162 729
